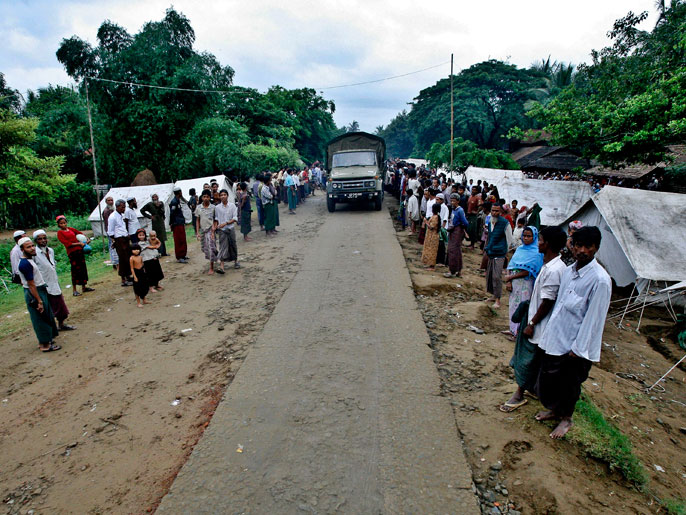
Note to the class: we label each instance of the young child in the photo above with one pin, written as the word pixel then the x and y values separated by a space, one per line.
pixel 140 279
pixel 151 261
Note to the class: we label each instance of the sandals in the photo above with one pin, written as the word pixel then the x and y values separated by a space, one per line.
pixel 509 407
pixel 53 347
pixel 220 271
pixel 76 294
pixel 66 327
pixel 86 289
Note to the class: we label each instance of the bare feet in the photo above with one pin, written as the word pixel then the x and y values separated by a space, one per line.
pixel 153 290
pixel 159 288
pixel 211 272
pixel 496 304
pixel 139 305
pixel 545 415
pixel 561 430
pixel 145 301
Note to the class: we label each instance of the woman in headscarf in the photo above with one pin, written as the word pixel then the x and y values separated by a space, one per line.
pixel 270 210
pixel 433 226
pixel 68 237
pixel 523 270
pixel 534 219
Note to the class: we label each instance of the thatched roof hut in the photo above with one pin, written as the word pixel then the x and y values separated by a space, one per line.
pixel 144 178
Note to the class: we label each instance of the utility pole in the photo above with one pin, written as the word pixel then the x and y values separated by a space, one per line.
pixel 95 168
pixel 452 115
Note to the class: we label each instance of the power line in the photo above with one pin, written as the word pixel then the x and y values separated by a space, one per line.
pixel 386 78
pixel 191 90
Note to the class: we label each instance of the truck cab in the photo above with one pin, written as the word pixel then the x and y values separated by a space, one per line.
pixel 355 163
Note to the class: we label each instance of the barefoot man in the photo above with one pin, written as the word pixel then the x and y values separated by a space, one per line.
pixel 527 355
pixel 573 336
pixel 499 241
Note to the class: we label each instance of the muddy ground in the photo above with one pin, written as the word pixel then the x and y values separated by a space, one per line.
pixel 105 424
pixel 514 461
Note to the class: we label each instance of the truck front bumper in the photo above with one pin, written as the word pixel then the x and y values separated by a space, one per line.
pixel 351 196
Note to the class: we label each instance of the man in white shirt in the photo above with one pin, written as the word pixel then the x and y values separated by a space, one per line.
pixel 413 183
pixel 15 256
pixel 527 355
pixel 118 231
pixel 573 336
pixel 130 215
pixel 226 215
pixel 412 210
pixel 45 260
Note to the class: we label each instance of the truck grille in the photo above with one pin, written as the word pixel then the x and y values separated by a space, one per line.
pixel 353 185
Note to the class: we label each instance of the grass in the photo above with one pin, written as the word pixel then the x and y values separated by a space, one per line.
pixel 675 506
pixel 12 303
pixel 602 440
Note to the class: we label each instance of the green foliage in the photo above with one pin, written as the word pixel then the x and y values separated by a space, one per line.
pixel 602 440
pixel 163 129
pixel 675 506
pixel 32 187
pixel 489 100
pixel 63 128
pixel 631 101
pixel 467 153
pixel 10 99
pixel 399 136
pixel 266 157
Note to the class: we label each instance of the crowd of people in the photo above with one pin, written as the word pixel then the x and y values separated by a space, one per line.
pixel 559 294
pixel 135 251
pixel 651 183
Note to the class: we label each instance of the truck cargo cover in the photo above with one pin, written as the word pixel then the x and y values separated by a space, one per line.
pixel 356 141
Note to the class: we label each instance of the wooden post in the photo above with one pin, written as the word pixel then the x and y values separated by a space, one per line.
pixel 452 115
pixel 95 168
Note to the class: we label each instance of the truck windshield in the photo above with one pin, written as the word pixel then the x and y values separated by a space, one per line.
pixel 354 159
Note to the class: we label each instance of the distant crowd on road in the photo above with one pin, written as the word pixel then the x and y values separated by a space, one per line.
pixel 559 294
pixel 135 251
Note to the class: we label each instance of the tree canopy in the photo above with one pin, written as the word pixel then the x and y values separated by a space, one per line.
pixel 148 127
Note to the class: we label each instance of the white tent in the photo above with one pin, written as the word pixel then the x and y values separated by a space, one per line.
pixel 492 175
pixel 643 241
pixel 143 195
pixel 558 199
pixel 187 184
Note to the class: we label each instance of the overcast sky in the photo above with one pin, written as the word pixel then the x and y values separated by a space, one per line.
pixel 326 43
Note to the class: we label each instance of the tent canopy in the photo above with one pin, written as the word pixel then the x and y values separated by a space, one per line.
pixel 642 237
pixel 187 184
pixel 142 194
pixel 559 199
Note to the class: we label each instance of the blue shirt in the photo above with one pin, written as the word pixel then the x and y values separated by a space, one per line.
pixel 459 218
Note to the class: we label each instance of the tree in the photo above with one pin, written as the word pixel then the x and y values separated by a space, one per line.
pixel 467 153
pixel 489 100
pixel 399 136
pixel 10 99
pixel 630 102
pixel 353 127
pixel 28 183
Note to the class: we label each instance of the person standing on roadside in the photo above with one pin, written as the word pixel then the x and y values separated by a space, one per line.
pixel 499 241
pixel 226 215
pixel 36 297
pixel 117 231
pixel 45 259
pixel 291 192
pixel 130 214
pixel 192 204
pixel 68 236
pixel 573 337
pixel 109 209
pixel 244 210
pixel 456 230
pixel 207 226
pixel 154 210
pixel 16 255
pixel 526 358
pixel 256 188
pixel 270 209
pixel 177 222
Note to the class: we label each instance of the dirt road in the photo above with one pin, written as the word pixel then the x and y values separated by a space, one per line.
pixel 337 407
pixel 105 424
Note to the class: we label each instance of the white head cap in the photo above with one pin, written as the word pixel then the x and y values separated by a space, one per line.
pixel 25 239
pixel 18 233
pixel 39 232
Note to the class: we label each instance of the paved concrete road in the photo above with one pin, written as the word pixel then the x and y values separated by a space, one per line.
pixel 336 408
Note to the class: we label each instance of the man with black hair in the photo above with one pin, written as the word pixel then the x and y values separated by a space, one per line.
pixel 536 312
pixel 573 336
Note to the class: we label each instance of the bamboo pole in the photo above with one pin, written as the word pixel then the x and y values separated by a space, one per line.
pixel 452 115
pixel 95 168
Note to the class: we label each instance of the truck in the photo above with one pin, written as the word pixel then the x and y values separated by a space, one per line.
pixel 355 163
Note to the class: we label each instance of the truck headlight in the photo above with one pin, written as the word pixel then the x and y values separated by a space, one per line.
pixel 369 184
pixel 336 185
